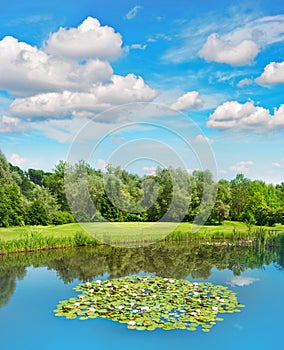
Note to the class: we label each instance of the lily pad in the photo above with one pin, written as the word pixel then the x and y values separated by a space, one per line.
pixel 148 303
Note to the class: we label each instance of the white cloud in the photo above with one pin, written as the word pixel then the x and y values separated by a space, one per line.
pixel 242 166
pixel 12 125
pixel 235 116
pixel 101 164
pixel 138 46
pixel 26 70
pixel 199 139
pixel 190 100
pixel 242 281
pixel 88 41
pixel 150 170
pixel 276 165
pixel 16 159
pixel 244 82
pixel 121 90
pixel 262 31
pixel 133 12
pixel 273 74
pixel 217 50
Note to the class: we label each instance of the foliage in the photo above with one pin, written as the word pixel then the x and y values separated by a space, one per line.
pixel 36 197
pixel 147 303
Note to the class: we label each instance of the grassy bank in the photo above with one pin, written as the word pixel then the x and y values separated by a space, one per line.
pixel 32 238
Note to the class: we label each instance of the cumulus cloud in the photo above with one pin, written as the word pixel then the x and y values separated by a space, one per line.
pixel 242 166
pixel 121 90
pixel 276 165
pixel 217 50
pixel 133 12
pixel 190 100
pixel 89 40
pixel 16 159
pixel 273 74
pixel 26 70
pixel 69 77
pixel 235 116
pixel 244 82
pixel 12 125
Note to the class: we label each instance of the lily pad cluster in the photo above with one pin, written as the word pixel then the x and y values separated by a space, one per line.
pixel 148 303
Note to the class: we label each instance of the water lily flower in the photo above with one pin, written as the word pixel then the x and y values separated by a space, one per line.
pixel 214 308
pixel 131 304
pixel 82 296
pixel 198 311
pixel 154 296
pixel 92 309
pixel 126 286
pixel 88 284
pixel 143 290
pixel 99 281
pixel 145 308
pixel 131 323
pixel 172 281
pixel 108 285
pixel 195 284
pixel 135 311
pixel 195 293
pixel 193 313
pixel 134 294
pixel 120 307
pixel 165 279
pixel 91 290
pixel 221 300
pixel 77 304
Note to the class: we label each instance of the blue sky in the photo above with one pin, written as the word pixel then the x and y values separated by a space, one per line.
pixel 144 83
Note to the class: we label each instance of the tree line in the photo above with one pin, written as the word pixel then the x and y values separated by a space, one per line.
pixel 82 193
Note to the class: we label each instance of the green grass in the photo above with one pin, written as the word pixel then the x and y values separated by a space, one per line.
pixel 124 233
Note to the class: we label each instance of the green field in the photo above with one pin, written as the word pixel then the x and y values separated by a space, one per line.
pixel 133 232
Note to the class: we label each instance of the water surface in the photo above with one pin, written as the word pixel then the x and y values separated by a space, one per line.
pixel 32 284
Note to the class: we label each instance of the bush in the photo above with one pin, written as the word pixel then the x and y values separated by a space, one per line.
pixel 62 217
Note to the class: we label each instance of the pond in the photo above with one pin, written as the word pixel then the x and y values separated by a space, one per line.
pixel 32 284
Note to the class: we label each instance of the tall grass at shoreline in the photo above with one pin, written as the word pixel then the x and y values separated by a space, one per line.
pixel 73 235
pixel 34 240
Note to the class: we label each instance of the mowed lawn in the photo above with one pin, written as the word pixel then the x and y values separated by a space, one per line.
pixel 133 231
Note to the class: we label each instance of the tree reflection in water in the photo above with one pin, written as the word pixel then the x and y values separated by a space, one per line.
pixel 177 260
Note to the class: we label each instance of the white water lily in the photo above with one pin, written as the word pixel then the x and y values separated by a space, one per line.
pixel 172 281
pixel 193 313
pixel 82 296
pixel 165 279
pixel 195 284
pixel 88 284
pixel 92 309
pixel 109 285
pixel 131 304
pixel 91 290
pixel 77 304
pixel 154 296
pixel 198 311
pixel 135 311
pixel 221 300
pixel 131 323
pixel 145 308
pixel 99 281
pixel 195 293
pixel 126 286
pixel 134 294
pixel 120 307
pixel 214 308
